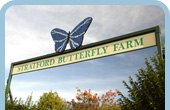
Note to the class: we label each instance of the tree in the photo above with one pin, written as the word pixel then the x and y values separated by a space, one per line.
pixel 50 101
pixel 19 104
pixel 89 101
pixel 148 91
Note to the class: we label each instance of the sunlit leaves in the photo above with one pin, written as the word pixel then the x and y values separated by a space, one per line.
pixel 148 91
pixel 89 101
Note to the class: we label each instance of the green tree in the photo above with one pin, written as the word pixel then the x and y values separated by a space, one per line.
pixel 19 104
pixel 148 91
pixel 50 101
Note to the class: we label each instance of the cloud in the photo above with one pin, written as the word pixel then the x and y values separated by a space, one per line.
pixel 27 35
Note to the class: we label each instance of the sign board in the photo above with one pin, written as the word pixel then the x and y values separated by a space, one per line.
pixel 130 42
pixel 125 43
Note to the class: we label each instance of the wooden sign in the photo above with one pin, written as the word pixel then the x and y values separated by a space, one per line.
pixel 130 42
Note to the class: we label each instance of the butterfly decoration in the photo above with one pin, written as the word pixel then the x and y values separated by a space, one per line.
pixel 75 37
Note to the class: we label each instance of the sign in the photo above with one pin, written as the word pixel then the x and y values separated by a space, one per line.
pixel 88 52
pixel 125 43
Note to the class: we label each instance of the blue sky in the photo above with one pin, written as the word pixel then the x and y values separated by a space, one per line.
pixel 27 30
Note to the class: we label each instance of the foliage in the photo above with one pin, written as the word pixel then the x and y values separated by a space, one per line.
pixel 148 92
pixel 18 104
pixel 88 101
pixel 50 101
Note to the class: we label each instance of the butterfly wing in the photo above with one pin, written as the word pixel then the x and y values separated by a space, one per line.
pixel 77 34
pixel 60 38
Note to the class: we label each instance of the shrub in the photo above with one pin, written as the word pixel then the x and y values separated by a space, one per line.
pixel 50 101
pixel 18 104
pixel 89 101
pixel 148 92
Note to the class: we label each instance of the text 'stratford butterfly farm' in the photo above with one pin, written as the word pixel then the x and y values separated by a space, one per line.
pixel 125 43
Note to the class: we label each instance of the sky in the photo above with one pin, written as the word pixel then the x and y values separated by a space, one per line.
pixel 27 35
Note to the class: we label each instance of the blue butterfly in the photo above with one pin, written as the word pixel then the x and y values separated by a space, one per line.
pixel 75 37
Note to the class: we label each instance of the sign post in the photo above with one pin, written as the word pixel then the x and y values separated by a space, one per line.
pixel 159 41
pixel 9 83
pixel 116 45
